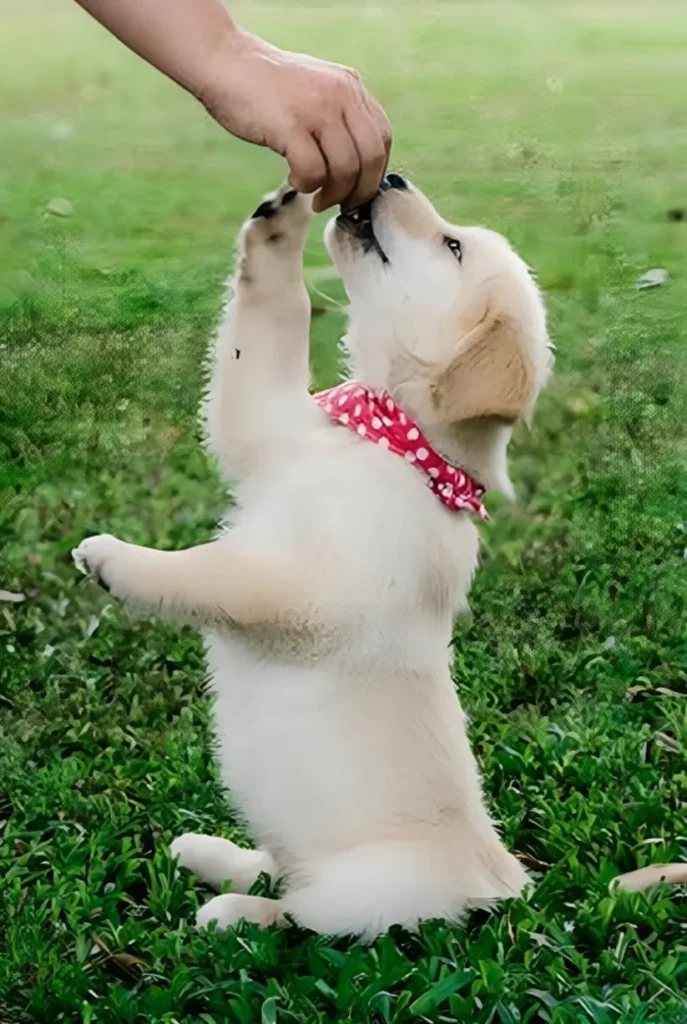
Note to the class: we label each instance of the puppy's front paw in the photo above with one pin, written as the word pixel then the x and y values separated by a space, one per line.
pixel 280 223
pixel 284 205
pixel 97 557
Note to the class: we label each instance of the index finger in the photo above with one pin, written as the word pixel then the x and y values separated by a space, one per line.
pixel 372 154
pixel 343 166
pixel 379 117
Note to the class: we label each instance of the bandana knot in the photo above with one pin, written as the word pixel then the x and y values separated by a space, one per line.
pixel 375 416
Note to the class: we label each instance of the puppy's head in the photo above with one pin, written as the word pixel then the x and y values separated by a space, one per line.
pixel 447 318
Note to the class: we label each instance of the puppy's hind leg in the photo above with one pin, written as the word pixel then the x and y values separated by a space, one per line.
pixel 230 908
pixel 367 889
pixel 261 361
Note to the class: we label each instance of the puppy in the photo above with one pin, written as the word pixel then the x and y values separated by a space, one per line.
pixel 328 603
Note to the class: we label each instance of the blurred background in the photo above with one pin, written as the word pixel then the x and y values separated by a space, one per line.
pixel 561 125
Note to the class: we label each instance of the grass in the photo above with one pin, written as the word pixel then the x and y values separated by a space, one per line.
pixel 561 125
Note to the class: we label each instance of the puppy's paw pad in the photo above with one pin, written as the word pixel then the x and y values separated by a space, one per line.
pixel 266 210
pixel 285 205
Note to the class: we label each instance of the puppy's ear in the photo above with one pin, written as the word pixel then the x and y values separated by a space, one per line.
pixel 491 374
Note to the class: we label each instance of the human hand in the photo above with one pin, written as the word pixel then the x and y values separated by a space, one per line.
pixel 335 137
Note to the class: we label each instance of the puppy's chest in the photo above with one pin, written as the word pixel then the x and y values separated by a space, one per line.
pixel 366 531
pixel 306 641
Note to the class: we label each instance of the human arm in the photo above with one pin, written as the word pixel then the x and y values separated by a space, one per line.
pixel 334 136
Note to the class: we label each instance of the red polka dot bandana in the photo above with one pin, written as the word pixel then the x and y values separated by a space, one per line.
pixel 375 416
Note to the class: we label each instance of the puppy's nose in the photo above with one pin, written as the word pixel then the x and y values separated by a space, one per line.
pixel 394 181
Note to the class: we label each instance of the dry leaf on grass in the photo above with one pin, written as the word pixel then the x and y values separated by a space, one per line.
pixel 61 130
pixel 653 278
pixel 7 595
pixel 60 207
pixel 530 861
pixel 667 742
pixel 652 874
pixel 125 961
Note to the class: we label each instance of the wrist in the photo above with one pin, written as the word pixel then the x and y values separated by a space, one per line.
pixel 223 63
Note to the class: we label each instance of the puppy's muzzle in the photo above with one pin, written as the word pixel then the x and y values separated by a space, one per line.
pixel 358 223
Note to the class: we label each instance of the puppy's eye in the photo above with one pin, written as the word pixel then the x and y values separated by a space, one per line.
pixel 454 245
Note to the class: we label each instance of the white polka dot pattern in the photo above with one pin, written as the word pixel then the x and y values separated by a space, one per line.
pixel 375 416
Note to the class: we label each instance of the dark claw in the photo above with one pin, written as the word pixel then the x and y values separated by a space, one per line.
pixel 97 578
pixel 265 210
pixel 288 197
pixel 395 181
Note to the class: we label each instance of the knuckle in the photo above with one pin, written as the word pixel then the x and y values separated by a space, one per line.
pixel 350 74
pixel 349 84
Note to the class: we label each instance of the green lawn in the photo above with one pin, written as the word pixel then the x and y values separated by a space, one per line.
pixel 563 126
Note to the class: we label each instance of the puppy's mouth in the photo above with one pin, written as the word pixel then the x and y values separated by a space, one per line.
pixel 358 224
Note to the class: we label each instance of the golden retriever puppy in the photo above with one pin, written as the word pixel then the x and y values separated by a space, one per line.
pixel 328 602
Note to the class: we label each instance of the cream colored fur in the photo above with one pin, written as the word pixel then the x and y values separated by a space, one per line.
pixel 328 601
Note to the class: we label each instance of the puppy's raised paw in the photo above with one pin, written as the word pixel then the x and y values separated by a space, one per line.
pixel 274 204
pixel 280 223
